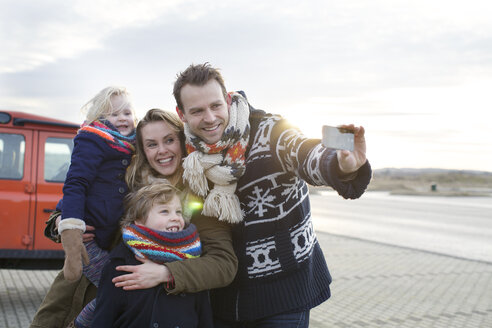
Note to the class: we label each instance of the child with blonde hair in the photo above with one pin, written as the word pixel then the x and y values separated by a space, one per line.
pixel 95 185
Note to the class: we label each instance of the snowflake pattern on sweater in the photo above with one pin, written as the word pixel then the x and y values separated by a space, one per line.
pixel 273 196
pixel 281 265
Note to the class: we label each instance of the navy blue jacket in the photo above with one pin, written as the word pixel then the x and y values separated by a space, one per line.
pixel 151 307
pixel 95 186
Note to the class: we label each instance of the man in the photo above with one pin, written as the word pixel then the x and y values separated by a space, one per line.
pixel 251 168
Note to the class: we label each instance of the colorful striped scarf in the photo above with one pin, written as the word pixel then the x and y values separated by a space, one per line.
pixel 162 246
pixel 110 134
pixel 223 163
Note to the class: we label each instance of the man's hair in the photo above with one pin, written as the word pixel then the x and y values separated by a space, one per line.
pixel 197 75
pixel 138 204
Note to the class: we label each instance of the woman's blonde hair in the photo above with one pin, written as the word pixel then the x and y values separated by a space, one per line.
pixel 139 203
pixel 100 106
pixel 140 173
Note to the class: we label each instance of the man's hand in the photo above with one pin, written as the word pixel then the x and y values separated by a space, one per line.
pixel 348 161
pixel 143 276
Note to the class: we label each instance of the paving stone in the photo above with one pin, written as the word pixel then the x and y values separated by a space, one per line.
pixel 374 285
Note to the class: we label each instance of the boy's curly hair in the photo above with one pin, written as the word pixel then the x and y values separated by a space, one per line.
pixel 139 203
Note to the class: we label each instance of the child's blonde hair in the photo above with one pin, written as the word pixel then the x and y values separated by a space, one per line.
pixel 100 106
pixel 139 203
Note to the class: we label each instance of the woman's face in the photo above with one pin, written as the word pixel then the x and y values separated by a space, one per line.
pixel 162 147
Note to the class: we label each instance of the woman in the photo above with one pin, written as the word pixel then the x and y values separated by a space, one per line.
pixel 158 154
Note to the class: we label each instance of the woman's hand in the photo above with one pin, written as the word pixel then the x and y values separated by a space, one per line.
pixel 87 236
pixel 143 276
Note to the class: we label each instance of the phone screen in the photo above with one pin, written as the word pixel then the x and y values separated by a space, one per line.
pixel 338 138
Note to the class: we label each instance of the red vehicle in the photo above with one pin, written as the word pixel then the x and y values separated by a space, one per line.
pixel 35 154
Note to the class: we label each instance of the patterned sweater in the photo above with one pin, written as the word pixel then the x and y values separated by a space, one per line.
pixel 281 265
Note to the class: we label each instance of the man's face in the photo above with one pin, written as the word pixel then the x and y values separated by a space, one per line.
pixel 205 110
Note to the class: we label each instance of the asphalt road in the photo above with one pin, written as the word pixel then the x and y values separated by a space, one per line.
pixel 456 226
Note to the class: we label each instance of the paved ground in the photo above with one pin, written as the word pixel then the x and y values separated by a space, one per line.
pixel 375 285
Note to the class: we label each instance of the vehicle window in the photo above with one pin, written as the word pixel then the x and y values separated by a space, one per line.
pixel 57 153
pixel 12 148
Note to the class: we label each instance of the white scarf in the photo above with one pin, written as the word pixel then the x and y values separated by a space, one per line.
pixel 223 163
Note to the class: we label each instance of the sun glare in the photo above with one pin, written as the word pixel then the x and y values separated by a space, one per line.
pixel 444 127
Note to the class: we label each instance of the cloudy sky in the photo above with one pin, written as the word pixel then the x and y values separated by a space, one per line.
pixel 416 74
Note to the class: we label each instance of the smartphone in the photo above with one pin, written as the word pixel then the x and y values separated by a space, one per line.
pixel 338 138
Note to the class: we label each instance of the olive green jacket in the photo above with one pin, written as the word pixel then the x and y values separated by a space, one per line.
pixel 217 265
pixel 215 268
